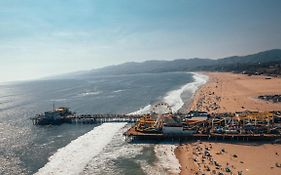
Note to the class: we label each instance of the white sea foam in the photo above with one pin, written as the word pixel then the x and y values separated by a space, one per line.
pixel 174 99
pixel 89 93
pixel 72 158
pixel 166 163
pixel 143 110
pixel 120 90
pixel 151 169
pixel 167 160
pixel 105 163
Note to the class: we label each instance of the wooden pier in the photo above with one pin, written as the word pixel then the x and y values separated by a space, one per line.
pixel 85 119
pixel 134 135
pixel 195 125
pixel 101 118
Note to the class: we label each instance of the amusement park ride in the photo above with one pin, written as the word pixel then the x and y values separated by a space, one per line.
pixel 162 120
pixel 153 122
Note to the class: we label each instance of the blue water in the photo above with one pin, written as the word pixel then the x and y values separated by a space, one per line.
pixel 25 148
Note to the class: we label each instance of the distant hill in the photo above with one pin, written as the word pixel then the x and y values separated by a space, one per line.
pixel 261 61
pixel 154 66
pixel 261 57
pixel 267 62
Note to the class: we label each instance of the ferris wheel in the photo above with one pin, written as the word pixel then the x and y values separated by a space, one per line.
pixel 161 108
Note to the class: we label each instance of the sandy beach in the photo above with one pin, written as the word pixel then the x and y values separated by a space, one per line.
pixel 227 92
pixel 215 158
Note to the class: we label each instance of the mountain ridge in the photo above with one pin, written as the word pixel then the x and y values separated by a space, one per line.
pixel 232 63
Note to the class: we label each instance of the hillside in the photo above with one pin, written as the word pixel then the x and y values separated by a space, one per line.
pixel 267 62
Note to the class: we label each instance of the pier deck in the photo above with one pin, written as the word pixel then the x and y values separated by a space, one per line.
pixel 101 118
pixel 136 135
pixel 86 119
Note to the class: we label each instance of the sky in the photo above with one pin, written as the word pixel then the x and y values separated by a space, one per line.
pixel 41 38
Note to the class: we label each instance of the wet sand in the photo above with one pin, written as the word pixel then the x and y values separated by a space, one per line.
pixel 227 92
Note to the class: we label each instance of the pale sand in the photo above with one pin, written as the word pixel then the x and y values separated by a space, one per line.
pixel 227 92
pixel 248 159
pixel 184 154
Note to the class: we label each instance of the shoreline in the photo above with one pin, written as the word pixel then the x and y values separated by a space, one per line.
pixel 228 92
pixel 200 79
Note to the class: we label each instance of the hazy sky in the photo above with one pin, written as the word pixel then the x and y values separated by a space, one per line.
pixel 46 37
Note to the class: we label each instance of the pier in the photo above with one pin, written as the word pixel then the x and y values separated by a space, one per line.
pixel 85 119
pixel 64 115
pixel 101 118
pixel 134 135
pixel 195 125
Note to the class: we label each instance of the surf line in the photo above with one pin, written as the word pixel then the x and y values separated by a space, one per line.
pixel 173 98
pixel 71 159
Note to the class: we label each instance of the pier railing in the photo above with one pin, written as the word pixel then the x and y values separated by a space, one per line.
pixel 86 119
pixel 101 118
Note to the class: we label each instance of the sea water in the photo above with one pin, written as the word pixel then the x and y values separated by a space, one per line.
pixel 88 149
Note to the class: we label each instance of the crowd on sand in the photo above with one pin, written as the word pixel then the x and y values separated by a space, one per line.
pixel 228 92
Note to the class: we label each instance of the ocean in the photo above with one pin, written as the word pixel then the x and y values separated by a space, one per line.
pixel 88 149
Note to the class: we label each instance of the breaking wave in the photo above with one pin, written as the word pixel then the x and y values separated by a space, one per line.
pixel 84 94
pixel 167 160
pixel 143 110
pixel 173 98
pixel 120 90
pixel 72 158
pixel 117 149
